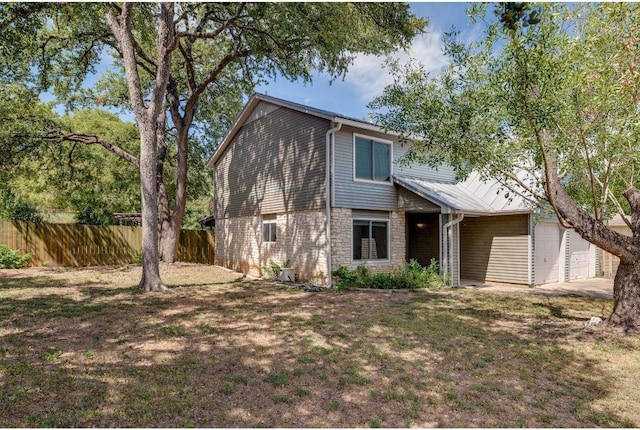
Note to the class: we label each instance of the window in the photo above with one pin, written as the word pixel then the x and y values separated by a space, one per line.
pixel 269 229
pixel 372 159
pixel 370 239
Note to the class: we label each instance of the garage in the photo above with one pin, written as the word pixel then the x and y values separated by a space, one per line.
pixel 495 248
pixel 547 253
pixel 581 260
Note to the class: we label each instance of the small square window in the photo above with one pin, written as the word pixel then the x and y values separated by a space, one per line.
pixel 269 231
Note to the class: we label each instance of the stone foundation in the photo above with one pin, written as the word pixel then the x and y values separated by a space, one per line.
pixel 300 239
pixel 341 237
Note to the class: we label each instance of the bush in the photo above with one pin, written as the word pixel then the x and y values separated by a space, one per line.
pixel 411 275
pixel 93 214
pixel 13 258
pixel 18 210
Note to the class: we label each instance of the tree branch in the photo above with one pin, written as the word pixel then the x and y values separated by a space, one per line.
pixel 90 139
pixel 585 225
pixel 213 74
pixel 199 34
pixel 521 183
pixel 31 8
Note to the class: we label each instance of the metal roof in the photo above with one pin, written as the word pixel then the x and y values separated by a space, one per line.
pixel 472 197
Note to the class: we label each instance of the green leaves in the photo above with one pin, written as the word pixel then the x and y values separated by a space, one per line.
pixel 571 72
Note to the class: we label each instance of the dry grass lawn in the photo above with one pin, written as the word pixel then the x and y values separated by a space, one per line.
pixel 82 347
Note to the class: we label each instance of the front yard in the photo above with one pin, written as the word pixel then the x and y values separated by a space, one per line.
pixel 82 347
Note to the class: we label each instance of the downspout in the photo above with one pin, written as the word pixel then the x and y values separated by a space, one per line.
pixel 448 252
pixel 330 138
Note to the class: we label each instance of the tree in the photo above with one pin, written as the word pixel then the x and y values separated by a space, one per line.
pixel 546 102
pixel 206 53
pixel 17 209
pixel 82 178
pixel 149 119
pixel 224 50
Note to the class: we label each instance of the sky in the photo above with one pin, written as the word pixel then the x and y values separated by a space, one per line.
pixel 367 78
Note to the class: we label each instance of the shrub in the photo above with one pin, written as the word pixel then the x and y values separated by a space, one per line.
pixel 15 209
pixel 13 258
pixel 411 275
pixel 93 214
pixel 25 211
pixel 345 278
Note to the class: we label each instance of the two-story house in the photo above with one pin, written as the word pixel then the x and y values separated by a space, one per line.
pixel 320 190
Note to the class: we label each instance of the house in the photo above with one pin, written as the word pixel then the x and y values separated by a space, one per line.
pixel 317 190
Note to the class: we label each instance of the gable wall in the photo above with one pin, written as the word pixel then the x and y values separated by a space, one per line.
pixel 274 164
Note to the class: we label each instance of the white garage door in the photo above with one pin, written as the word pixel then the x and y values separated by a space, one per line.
pixel 578 256
pixel 547 251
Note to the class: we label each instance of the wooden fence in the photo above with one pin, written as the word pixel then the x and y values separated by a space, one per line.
pixel 85 245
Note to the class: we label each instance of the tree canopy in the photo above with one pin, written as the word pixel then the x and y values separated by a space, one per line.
pixel 170 59
pixel 546 101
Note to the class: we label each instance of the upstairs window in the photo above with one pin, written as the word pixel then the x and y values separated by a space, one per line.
pixel 372 159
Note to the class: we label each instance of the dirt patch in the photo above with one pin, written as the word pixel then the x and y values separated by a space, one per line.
pixel 84 347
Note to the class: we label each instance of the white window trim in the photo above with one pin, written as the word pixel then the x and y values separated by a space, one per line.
pixel 353 156
pixel 372 218
pixel 269 220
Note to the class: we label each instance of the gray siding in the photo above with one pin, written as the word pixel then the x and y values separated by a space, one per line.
pixel 365 195
pixel 422 171
pixel 276 163
pixel 411 202
pixel 261 110
pixel 495 249
pixel 359 195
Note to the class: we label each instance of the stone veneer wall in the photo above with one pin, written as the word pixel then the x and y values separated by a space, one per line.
pixel 341 232
pixel 300 238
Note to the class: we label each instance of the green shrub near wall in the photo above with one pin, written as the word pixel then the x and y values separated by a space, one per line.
pixel 410 276
pixel 13 258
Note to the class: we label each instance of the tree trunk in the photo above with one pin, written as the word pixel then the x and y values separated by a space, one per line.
pixel 626 286
pixel 626 296
pixel 148 119
pixel 171 224
pixel 169 242
pixel 150 261
pixel 171 236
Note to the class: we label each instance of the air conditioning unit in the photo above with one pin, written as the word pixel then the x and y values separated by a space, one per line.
pixel 286 275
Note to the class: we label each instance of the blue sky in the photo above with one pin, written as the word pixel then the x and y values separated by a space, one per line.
pixel 366 78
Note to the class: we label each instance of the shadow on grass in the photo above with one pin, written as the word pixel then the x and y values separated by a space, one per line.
pixel 21 283
pixel 244 355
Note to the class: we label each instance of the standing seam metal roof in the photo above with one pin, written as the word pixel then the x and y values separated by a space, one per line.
pixel 467 197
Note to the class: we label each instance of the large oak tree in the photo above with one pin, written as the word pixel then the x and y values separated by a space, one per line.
pixel 175 57
pixel 548 102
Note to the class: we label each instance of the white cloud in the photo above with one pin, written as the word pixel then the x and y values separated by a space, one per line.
pixel 369 76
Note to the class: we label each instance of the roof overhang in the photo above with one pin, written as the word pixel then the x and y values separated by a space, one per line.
pixel 454 198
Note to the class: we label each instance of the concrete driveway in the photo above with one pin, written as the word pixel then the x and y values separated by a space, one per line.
pixel 601 288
